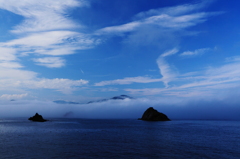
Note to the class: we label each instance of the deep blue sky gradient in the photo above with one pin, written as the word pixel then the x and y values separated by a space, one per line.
pixel 166 53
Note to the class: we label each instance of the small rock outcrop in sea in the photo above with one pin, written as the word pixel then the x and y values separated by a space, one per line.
pixel 153 115
pixel 37 117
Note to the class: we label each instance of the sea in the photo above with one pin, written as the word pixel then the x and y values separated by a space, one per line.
pixel 119 138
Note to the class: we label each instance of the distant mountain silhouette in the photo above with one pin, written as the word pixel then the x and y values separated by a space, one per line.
pixel 64 102
pixel 121 97
pixel 68 114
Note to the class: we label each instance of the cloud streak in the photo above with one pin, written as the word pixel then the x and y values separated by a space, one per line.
pixel 13 79
pixel 195 52
pixel 42 15
pixel 51 62
pixel 46 29
pixel 53 43
pixel 165 69
pixel 65 86
pixel 13 96
pixel 128 80
pixel 173 18
pixel 206 83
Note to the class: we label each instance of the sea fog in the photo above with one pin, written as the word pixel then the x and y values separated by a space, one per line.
pixel 127 108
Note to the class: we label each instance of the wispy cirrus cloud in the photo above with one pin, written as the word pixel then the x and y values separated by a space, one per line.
pixel 165 69
pixel 164 21
pixel 208 83
pixel 51 62
pixel 128 80
pixel 65 86
pixel 53 43
pixel 161 28
pixel 42 15
pixel 177 17
pixel 195 52
pixel 43 39
pixel 169 53
pixel 7 54
pixel 109 89
pixel 15 79
pixel 233 59
pixel 8 58
pixel 7 64
pixel 46 29
pixel 175 10
pixel 13 96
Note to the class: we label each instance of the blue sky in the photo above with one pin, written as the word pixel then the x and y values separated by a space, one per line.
pixel 166 53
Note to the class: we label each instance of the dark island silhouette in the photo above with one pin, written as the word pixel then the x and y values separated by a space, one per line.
pixel 153 115
pixel 37 118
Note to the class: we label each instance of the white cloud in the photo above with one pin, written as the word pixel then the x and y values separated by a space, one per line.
pixel 7 54
pixel 19 80
pixel 173 18
pixel 8 58
pixel 195 52
pixel 42 15
pixel 52 43
pixel 109 89
pixel 10 64
pixel 128 80
pixel 15 74
pixel 163 20
pixel 169 53
pixel 13 96
pixel 165 69
pixel 175 10
pixel 233 59
pixel 63 85
pixel 43 39
pixel 208 83
pixel 51 62
pixel 44 31
pixel 179 22
pixel 52 40
pixel 145 91
pixel 121 28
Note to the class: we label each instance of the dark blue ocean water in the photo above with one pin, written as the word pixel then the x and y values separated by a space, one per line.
pixel 88 138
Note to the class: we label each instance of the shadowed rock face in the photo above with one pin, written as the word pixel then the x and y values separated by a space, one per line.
pixel 37 117
pixel 153 115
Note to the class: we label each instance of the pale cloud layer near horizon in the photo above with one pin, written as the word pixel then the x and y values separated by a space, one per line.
pixel 79 50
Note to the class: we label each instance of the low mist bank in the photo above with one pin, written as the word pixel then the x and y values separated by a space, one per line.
pixel 127 108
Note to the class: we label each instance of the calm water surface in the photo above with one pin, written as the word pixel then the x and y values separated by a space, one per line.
pixel 88 138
